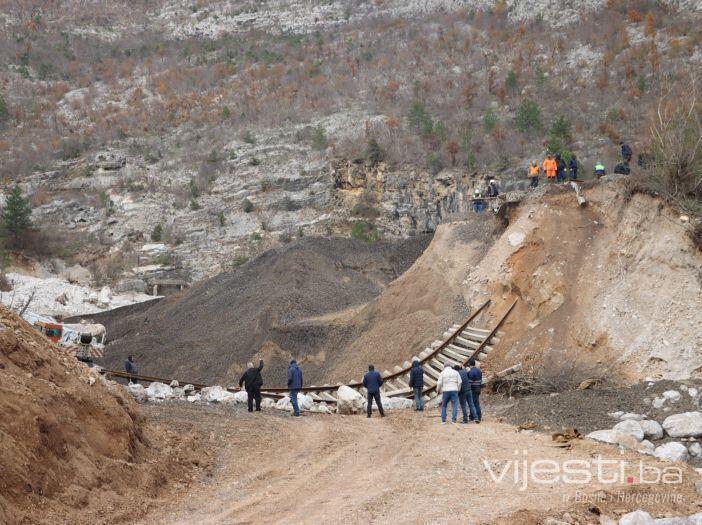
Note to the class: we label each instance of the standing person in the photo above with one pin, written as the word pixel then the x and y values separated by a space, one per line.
pixel 253 382
pixel 534 171
pixel 448 386
pixel 627 153
pixel 550 167
pixel 416 383
pixel 476 385
pixel 294 385
pixel 492 190
pixel 465 397
pixel 560 168
pixel 130 366
pixel 372 382
pixel 573 167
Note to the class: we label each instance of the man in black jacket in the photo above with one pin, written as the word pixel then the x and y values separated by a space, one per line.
pixel 253 382
pixel 416 383
pixel 372 382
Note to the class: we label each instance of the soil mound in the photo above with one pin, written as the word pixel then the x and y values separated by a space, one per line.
pixel 72 445
pixel 209 332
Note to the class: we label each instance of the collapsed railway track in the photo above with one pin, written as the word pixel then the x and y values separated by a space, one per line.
pixel 459 344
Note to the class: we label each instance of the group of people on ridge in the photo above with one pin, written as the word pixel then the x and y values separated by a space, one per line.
pixel 556 169
pixel 456 384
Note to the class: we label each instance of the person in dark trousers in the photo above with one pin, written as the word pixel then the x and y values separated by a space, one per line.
pixel 476 385
pixel 416 383
pixel 627 153
pixel 560 168
pixel 372 382
pixel 573 167
pixel 465 396
pixel 253 381
pixel 493 190
pixel 130 366
pixel 294 385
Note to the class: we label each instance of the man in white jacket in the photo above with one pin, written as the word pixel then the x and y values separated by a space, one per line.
pixel 448 386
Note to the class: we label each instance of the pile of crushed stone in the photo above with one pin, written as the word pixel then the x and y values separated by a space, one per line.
pixel 208 333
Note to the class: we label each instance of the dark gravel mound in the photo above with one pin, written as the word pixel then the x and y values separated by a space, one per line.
pixel 208 333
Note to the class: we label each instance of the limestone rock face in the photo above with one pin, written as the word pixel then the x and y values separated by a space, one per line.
pixel 349 401
pixel 687 424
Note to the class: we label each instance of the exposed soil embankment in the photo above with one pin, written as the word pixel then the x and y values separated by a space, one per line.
pixel 72 451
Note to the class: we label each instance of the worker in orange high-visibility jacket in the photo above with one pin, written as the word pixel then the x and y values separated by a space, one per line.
pixel 550 166
pixel 534 172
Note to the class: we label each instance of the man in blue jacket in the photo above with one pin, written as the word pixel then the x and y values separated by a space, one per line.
pixel 476 385
pixel 372 382
pixel 294 385
pixel 465 395
pixel 416 383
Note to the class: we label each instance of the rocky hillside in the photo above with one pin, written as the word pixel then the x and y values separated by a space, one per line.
pixel 171 138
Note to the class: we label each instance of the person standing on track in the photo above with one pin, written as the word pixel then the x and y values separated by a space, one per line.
pixel 465 397
pixel 130 366
pixel 253 381
pixel 372 382
pixel 448 386
pixel 416 383
pixel 476 385
pixel 294 385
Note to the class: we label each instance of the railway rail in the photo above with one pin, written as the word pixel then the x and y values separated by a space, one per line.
pixel 459 344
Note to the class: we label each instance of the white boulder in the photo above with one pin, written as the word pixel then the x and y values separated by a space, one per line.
pixel 630 427
pixel 284 404
pixel 175 383
pixel 267 402
pixel 159 391
pixel 396 403
pixel 178 393
pixel 658 402
pixel 638 517
pixel 695 519
pixel 695 450
pixel 194 398
pixel 241 397
pixel 188 388
pixel 672 451
pixel 304 401
pixel 616 415
pixel 349 401
pixel 687 424
pixel 614 437
pixel 693 392
pixel 217 394
pixel 104 297
pixel 652 429
pixel 138 392
pixel 646 447
pixel 672 395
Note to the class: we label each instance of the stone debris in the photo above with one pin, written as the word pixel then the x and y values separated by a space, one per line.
pixel 687 424
pixel 652 429
pixel 672 451
pixel 159 391
pixel 349 401
pixel 630 427
pixel 217 394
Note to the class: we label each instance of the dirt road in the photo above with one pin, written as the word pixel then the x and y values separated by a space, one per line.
pixel 406 468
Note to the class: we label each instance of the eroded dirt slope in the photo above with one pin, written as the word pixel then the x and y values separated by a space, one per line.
pixel 72 452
